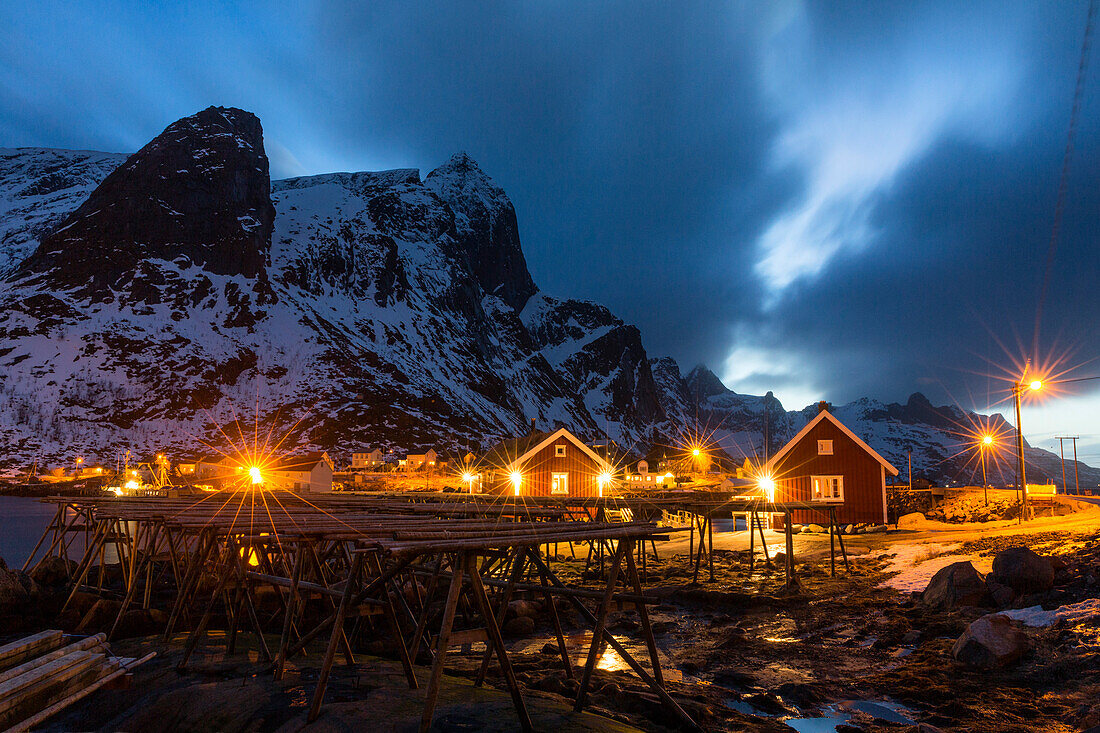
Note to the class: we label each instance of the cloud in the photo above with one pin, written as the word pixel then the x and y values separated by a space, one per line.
pixel 849 140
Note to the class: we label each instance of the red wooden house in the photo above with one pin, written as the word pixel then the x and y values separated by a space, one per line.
pixel 547 464
pixel 828 463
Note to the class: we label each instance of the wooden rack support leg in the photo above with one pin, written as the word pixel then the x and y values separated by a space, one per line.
pixel 442 641
pixel 496 643
pixel 335 638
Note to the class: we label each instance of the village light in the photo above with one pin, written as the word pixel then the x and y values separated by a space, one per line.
pixel 987 440
pixel 1021 472
pixel 767 485
pixel 696 452
pixel 255 475
pixel 469 479
pixel 603 480
pixel 517 479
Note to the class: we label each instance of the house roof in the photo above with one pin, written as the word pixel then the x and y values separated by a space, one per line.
pixel 301 462
pixel 519 450
pixel 826 415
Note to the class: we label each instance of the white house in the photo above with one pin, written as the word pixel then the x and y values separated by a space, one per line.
pixel 373 459
pixel 418 461
pixel 311 472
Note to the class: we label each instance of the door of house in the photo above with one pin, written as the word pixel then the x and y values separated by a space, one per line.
pixel 559 483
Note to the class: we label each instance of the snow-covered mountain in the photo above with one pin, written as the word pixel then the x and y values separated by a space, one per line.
pixel 148 302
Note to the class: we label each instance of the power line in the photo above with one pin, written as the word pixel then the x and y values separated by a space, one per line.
pixel 1063 183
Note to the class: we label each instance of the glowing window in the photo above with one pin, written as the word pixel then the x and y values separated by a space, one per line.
pixel 559 451
pixel 559 483
pixel 827 488
pixel 824 447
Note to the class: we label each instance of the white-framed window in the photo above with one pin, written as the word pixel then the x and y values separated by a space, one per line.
pixel 559 483
pixel 559 451
pixel 827 488
pixel 824 447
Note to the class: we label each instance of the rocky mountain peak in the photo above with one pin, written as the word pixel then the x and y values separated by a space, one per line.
pixel 702 383
pixel 488 232
pixel 198 193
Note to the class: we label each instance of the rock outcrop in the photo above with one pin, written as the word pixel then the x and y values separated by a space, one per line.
pixel 198 194
pixel 1023 570
pixel 958 584
pixel 990 642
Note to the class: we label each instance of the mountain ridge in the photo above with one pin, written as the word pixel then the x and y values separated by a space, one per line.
pixel 360 309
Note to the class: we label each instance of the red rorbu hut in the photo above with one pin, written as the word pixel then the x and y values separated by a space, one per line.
pixel 547 464
pixel 828 463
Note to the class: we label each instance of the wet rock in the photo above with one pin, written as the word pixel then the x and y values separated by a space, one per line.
pixel 817 528
pixel 1001 594
pixel 849 529
pixel 519 626
pixel 662 627
pixel 205 706
pixel 958 584
pixel 53 571
pixel 523 608
pixel 802 694
pixel 911 637
pixel 767 702
pixel 15 589
pixel 991 641
pixel 551 683
pixel 877 528
pixel 734 678
pixel 1023 570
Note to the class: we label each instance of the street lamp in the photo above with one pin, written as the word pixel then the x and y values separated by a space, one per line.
pixel 517 479
pixel 469 479
pixel 987 441
pixel 1021 475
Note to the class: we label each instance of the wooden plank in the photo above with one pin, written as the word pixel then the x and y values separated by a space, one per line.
pixel 20 651
pixel 83 645
pixel 43 715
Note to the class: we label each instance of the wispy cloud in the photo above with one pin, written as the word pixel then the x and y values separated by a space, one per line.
pixel 850 141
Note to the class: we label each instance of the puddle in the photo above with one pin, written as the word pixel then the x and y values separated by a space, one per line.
pixel 837 714
pixel 827 724
pixel 888 711
pixel 609 659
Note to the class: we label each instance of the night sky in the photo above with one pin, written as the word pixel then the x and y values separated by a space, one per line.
pixel 826 200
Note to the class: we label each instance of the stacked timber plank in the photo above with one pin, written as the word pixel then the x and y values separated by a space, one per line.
pixel 45 673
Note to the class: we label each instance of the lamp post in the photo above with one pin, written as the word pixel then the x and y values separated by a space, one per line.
pixel 1021 475
pixel 986 440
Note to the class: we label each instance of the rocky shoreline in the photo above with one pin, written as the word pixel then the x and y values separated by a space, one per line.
pixel 739 654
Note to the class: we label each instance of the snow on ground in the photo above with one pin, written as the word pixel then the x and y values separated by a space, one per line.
pixel 915 564
pixel 1073 614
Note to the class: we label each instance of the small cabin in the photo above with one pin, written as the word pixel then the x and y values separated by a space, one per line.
pixel 554 464
pixel 421 461
pixel 311 472
pixel 828 464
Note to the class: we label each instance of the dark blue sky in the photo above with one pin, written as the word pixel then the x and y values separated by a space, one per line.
pixel 829 200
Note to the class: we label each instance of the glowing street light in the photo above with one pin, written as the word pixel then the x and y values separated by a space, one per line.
pixel 468 478
pixel 987 441
pixel 1021 473
pixel 255 475
pixel 696 452
pixel 517 479
pixel 767 485
pixel 603 480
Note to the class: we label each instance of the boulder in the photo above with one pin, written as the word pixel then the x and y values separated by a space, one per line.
pixel 519 626
pixel 52 571
pixel 958 584
pixel 1023 571
pixel 523 608
pixel 877 528
pixel 1001 594
pixel 814 528
pixel 16 589
pixel 910 520
pixel 991 641
pixel 849 529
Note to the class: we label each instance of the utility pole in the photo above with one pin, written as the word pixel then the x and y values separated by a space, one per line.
pixel 910 469
pixel 1076 473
